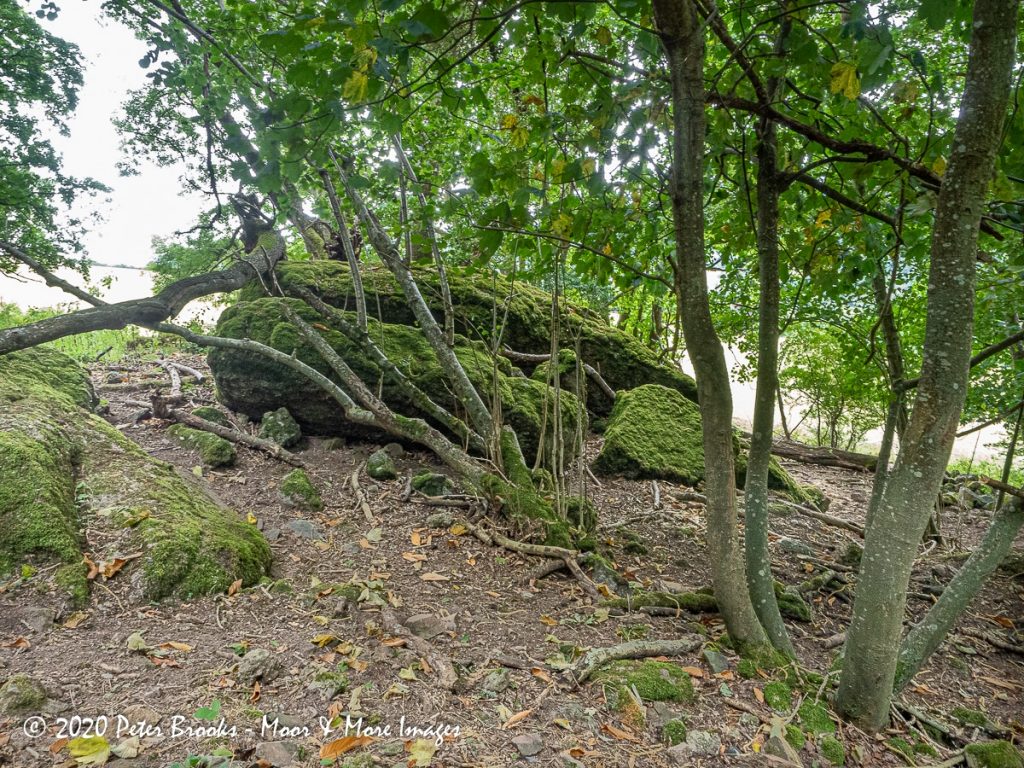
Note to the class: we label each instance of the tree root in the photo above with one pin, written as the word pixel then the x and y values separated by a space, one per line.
pixel 835 522
pixel 567 557
pixel 446 675
pixel 161 411
pixel 993 640
pixel 634 649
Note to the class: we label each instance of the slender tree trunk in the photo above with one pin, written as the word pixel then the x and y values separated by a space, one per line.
pixel 923 639
pixel 872 644
pixel 350 251
pixel 758 558
pixel 681 34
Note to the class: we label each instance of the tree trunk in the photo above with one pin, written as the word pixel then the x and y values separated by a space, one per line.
pixel 872 644
pixel 758 558
pixel 923 639
pixel 681 32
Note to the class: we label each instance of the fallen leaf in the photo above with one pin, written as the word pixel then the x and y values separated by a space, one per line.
pixel 421 752
pixel 251 518
pixel 433 577
pixel 75 619
pixel 322 641
pixel 458 529
pixel 694 671
pixel 1002 621
pixel 256 691
pixel 374 535
pixel 159 662
pixel 414 557
pixel 407 673
pixel 18 642
pixel 235 586
pixel 136 642
pixel 618 733
pixel 759 695
pixel 92 750
pixel 517 718
pixel 416 539
pixel 332 749
pixel 57 746
pixel 175 646
pixel 540 674
pixel 128 749
pixel 545 619
pixel 93 568
pixel 393 642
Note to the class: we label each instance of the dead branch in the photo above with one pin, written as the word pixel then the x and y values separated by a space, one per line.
pixel 233 435
pixel 175 377
pixel 821 516
pixel 1001 486
pixel 446 675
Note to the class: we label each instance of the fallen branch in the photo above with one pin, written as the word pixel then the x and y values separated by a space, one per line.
pixel 828 457
pixel 446 675
pixel 1001 486
pixel 233 435
pixel 175 377
pixel 591 371
pixel 634 649
pixel 822 517
pixel 993 640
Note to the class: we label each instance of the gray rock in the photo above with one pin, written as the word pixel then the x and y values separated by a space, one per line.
pixel 716 661
pixel 395 450
pixel 496 681
pixel 279 754
pixel 258 664
pixel 272 534
pixel 280 427
pixel 794 546
pixel 427 625
pixel 115 377
pixel 776 746
pixel 702 743
pixel 431 483
pixel 36 618
pixel 529 744
pixel 440 520
pixel 22 694
pixel 380 466
pixel 305 529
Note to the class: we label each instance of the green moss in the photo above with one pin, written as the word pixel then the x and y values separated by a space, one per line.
pixel 654 432
pixel 72 579
pixel 814 717
pixel 674 732
pixel 216 415
pixel 380 465
pixel 901 745
pixel 652 681
pixel 299 491
pixel 833 750
pixel 924 748
pixel 525 313
pixel 214 450
pixel 430 483
pixel 993 754
pixel 746 669
pixel 21 694
pixel 581 513
pixel 632 543
pixel 791 604
pixel 970 716
pixel 332 683
pixel 693 602
pixel 778 696
pixel 279 427
pixel 795 737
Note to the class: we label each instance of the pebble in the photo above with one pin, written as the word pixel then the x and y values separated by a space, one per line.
pixel 258 664
pixel 305 529
pixel 529 744
pixel 279 754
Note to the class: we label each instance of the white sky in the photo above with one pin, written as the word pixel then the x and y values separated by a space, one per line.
pixel 139 207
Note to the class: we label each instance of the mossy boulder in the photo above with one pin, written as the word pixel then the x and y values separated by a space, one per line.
pixel 214 450
pixel 655 433
pixel 832 749
pixel 212 414
pixel 380 466
pixel 250 384
pixel 673 732
pixel 651 680
pixel 279 427
pixel 61 465
pixel 431 483
pixel 297 490
pixel 814 717
pixel 21 694
pixel 993 754
pixel 524 311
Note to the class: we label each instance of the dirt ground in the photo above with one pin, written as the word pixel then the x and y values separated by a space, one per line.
pixel 504 633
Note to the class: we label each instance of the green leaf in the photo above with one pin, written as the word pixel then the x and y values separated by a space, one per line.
pixel 936 13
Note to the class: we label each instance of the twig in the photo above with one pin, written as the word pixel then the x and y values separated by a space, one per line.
pixel 828 519
pixel 197 375
pixel 175 377
pixel 993 640
pixel 233 435
pixel 361 497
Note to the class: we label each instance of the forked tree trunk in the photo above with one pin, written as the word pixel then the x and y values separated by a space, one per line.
pixel 872 644
pixel 681 32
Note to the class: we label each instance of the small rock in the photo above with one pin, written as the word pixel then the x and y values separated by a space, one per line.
pixel 716 661
pixel 395 450
pixel 278 753
pixel 529 744
pixel 748 720
pixel 703 743
pixel 440 520
pixel 380 466
pixel 212 414
pixel 391 748
pixel 794 546
pixel 140 713
pixel 427 625
pixel 115 377
pixel 272 534
pixel 496 681
pixel 280 427
pixel 22 694
pixel 36 618
pixel 858 496
pixel 258 664
pixel 776 746
pixel 304 529
pixel 285 721
pixel 297 490
pixel 430 483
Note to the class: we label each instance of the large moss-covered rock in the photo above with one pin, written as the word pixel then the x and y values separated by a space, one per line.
pixel 60 463
pixel 525 311
pixel 654 432
pixel 251 384
pixel 214 450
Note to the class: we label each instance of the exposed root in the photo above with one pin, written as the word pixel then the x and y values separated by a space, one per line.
pixel 446 675
pixel 634 649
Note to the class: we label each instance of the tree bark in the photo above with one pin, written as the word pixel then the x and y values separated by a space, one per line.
pixel 872 644
pixel 921 642
pixel 681 32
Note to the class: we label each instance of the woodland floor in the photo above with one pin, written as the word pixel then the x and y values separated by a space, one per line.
pixel 496 618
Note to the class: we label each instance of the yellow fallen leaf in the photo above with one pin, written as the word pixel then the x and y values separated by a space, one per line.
pixel 421 753
pixel 251 518
pixel 235 586
pixel 320 641
pixel 174 646
pixel 458 529
pixel 92 750
pixel 332 749
pixel 517 718
pixel 431 576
